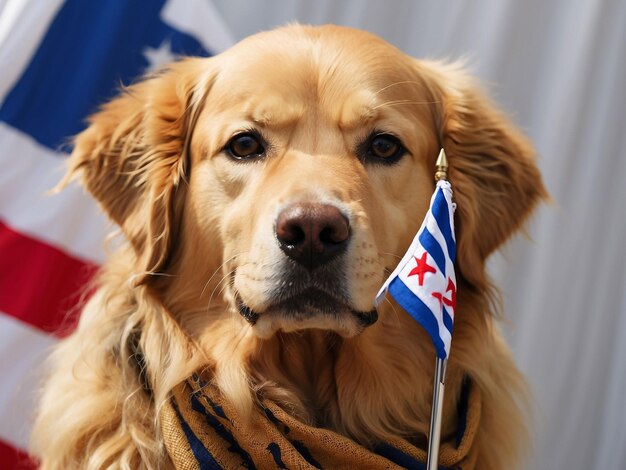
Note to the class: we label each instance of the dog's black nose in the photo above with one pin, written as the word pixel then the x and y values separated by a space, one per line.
pixel 312 234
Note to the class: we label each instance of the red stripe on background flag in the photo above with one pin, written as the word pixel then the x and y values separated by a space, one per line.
pixel 12 458
pixel 40 284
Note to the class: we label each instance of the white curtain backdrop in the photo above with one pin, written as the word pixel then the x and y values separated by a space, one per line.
pixel 559 68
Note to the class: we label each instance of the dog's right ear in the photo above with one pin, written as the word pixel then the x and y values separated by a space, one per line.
pixel 492 169
pixel 133 157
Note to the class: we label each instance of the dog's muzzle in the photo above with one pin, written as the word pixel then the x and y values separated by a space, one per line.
pixel 311 288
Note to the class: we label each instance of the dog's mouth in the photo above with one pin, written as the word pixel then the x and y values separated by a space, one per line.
pixel 310 308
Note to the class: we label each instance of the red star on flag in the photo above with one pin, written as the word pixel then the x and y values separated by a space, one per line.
pixel 421 269
pixel 451 302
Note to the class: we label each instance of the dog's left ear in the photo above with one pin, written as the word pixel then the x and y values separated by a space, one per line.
pixel 492 167
pixel 134 156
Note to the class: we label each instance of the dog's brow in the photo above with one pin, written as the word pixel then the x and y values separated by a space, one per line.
pixel 274 112
pixel 356 116
pixel 358 109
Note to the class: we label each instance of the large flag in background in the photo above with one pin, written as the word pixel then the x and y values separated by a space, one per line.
pixel 424 283
pixel 58 61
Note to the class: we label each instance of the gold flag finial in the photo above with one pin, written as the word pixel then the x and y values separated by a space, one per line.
pixel 441 167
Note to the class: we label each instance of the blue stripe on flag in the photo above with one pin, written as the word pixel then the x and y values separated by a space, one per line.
pixel 442 216
pixel 447 320
pixel 90 49
pixel 419 311
pixel 431 245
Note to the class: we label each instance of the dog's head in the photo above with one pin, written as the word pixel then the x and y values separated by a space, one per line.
pixel 287 175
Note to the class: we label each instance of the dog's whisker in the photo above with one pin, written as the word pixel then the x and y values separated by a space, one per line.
pixel 390 254
pixel 401 82
pixel 264 265
pixel 218 269
pixel 394 310
pixel 223 288
pixel 399 102
pixel 131 279
pixel 225 277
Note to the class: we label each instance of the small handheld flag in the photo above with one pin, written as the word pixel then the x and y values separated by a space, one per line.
pixel 424 285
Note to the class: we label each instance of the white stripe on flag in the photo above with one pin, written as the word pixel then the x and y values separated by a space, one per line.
pixel 70 220
pixel 22 349
pixel 23 24
pixel 433 228
pixel 447 192
pixel 200 19
pixel 419 291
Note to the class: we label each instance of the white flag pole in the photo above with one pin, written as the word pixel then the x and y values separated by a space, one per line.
pixel 434 434
pixel 435 416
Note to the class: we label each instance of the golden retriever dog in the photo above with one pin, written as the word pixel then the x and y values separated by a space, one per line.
pixel 264 195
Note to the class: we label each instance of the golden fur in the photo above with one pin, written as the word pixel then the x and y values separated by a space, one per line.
pixel 198 226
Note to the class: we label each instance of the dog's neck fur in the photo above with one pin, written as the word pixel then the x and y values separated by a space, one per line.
pixel 295 370
pixel 369 388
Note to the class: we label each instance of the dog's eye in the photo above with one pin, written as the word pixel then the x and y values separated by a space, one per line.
pixel 384 148
pixel 245 146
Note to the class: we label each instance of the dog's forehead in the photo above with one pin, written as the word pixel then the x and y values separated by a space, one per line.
pixel 278 76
